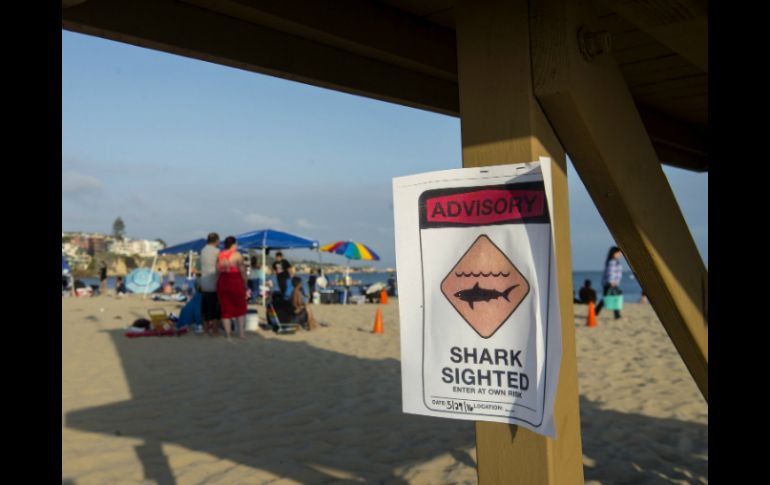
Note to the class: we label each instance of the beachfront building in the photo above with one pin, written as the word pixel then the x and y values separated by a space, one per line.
pixel 129 247
pixel 92 243
pixel 97 244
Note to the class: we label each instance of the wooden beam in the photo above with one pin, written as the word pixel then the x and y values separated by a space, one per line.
pixel 680 25
pixel 70 3
pixel 676 144
pixel 593 113
pixel 364 48
pixel 502 123
pixel 187 30
pixel 370 29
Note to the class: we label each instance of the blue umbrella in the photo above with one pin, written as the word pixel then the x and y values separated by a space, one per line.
pixel 263 238
pixel 142 280
pixel 270 238
pixel 194 246
pixel 64 265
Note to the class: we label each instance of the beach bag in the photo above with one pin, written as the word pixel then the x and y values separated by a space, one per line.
pixel 613 300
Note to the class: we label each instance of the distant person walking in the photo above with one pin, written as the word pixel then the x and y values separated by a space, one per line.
pixel 208 284
pixel 613 273
pixel 283 271
pixel 103 277
pixel 231 287
pixel 587 294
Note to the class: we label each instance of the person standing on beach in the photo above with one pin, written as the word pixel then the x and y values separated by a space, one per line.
pixel 613 273
pixel 103 277
pixel 321 282
pixel 283 271
pixel 231 287
pixel 208 284
pixel 171 279
pixel 311 280
pixel 254 280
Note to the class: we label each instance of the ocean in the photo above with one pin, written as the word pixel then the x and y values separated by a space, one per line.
pixel 632 292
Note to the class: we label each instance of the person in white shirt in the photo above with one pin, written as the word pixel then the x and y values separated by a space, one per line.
pixel 208 284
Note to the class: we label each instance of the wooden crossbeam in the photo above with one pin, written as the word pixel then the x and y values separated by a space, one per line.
pixel 188 30
pixel 680 25
pixel 355 46
pixel 676 144
pixel 370 29
pixel 591 109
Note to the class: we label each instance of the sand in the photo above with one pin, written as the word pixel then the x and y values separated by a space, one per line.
pixel 325 406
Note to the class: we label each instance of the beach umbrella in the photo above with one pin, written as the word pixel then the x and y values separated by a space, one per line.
pixel 351 250
pixel 142 280
pixel 189 246
pixel 264 239
pixel 273 239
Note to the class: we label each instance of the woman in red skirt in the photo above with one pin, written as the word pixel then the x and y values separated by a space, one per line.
pixel 231 287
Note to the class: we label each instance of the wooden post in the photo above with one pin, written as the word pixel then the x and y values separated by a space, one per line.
pixel 502 123
pixel 588 103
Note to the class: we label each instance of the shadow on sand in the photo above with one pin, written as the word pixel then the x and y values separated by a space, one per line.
pixel 315 432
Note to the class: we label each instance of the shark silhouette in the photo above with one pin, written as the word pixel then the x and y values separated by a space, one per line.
pixel 477 294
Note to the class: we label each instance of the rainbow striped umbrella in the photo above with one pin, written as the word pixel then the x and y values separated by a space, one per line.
pixel 351 250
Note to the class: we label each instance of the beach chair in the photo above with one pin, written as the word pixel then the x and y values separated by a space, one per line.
pixel 276 324
pixel 160 320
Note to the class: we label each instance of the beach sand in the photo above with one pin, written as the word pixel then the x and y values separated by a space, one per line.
pixel 325 406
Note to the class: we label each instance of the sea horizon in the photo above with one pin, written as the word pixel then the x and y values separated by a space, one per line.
pixel 632 291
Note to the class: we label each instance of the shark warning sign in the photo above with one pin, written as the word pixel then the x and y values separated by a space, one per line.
pixel 480 328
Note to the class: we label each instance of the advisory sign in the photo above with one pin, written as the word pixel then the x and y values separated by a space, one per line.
pixel 480 323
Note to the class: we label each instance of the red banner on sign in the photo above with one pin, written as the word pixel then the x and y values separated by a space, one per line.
pixel 485 206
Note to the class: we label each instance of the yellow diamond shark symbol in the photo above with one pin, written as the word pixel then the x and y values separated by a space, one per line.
pixel 485 287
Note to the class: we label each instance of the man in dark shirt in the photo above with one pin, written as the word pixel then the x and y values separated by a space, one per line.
pixel 587 294
pixel 311 284
pixel 103 277
pixel 283 271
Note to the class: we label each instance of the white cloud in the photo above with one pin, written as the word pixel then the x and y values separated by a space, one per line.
pixel 305 224
pixel 74 182
pixel 262 221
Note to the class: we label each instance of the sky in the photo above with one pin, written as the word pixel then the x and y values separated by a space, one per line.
pixel 178 148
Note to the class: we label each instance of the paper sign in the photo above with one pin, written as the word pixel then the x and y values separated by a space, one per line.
pixel 480 322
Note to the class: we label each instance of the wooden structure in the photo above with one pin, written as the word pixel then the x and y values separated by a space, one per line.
pixel 619 85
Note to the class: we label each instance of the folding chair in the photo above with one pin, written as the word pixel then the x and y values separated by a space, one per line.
pixel 275 322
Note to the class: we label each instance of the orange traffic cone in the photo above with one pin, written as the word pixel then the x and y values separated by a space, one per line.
pixel 378 322
pixel 383 296
pixel 591 315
